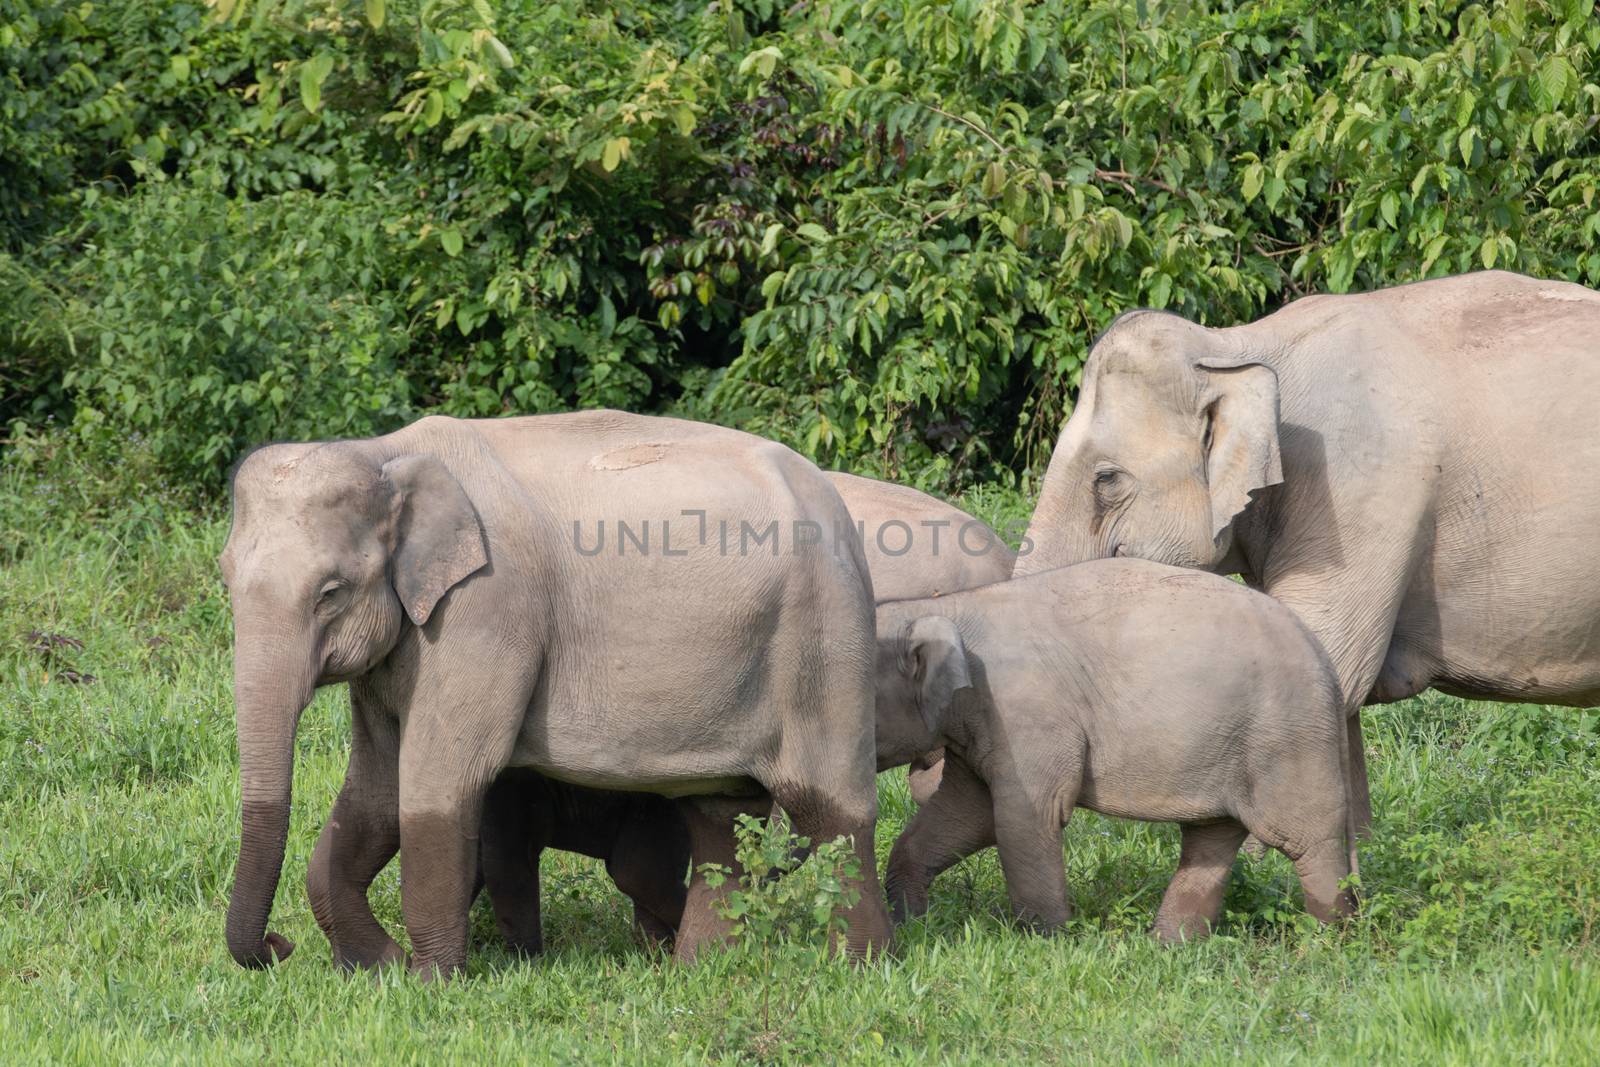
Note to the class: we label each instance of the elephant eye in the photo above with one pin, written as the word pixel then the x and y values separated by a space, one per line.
pixel 1106 479
pixel 330 594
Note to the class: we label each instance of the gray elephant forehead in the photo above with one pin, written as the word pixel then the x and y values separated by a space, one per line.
pixel 299 485
pixel 1152 353
pixel 1142 342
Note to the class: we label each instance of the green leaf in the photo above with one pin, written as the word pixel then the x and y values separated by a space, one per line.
pixel 763 61
pixel 1076 202
pixel 1555 74
pixel 1489 251
pixel 502 54
pixel 811 231
pixel 375 13
pixel 313 72
pixel 433 109
pixel 683 118
pixel 1431 254
pixel 450 241
pixel 994 180
pixel 1389 207
pixel 769 240
pixel 180 67
pixel 611 155
pixel 1254 175
pixel 1160 291
pixel 772 283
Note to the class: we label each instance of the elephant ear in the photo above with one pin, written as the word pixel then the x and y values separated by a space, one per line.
pixel 936 659
pixel 438 540
pixel 1240 402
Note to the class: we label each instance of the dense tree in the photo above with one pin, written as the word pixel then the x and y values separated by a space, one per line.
pixel 882 230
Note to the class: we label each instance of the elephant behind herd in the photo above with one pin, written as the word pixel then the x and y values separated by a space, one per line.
pixel 1412 471
pixel 538 609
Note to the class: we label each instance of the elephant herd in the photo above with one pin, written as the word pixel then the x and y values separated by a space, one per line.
pixel 613 634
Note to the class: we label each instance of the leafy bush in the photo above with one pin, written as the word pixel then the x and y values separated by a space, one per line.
pixel 773 905
pixel 884 231
pixel 279 325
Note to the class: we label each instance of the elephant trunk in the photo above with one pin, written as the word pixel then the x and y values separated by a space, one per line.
pixel 269 699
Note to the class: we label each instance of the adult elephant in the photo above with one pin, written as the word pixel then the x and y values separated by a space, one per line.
pixel 919 546
pixel 1411 470
pixel 915 546
pixel 461 576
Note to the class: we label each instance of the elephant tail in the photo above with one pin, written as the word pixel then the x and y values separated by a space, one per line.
pixel 1349 806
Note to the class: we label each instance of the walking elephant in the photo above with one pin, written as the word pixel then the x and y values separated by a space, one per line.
pixel 1125 687
pixel 915 545
pixel 611 600
pixel 1412 471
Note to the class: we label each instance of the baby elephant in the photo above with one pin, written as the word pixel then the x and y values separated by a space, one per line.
pixel 642 838
pixel 1130 688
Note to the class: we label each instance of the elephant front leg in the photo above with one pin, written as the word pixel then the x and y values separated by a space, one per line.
pixel 360 837
pixel 443 780
pixel 1028 834
pixel 1360 790
pixel 648 860
pixel 953 823
pixel 438 871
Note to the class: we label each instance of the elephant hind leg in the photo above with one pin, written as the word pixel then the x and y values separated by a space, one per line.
pixel 815 814
pixel 1193 901
pixel 710 822
pixel 1322 868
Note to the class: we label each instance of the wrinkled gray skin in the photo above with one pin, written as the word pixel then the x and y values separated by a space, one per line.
pixel 435 570
pixel 915 545
pixel 1129 688
pixel 1412 471
pixel 641 837
pixel 947 550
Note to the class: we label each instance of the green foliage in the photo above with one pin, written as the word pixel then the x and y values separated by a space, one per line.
pixel 772 903
pixel 884 231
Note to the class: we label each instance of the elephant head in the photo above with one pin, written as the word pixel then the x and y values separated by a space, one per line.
pixel 331 550
pixel 1174 430
pixel 922 664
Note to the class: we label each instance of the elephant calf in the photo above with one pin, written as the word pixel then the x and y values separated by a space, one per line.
pixel 642 838
pixel 1129 688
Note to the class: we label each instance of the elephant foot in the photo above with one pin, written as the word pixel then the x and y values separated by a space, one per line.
pixel 371 958
pixel 527 948
pixel 906 884
pixel 652 932
pixel 430 972
pixel 1180 929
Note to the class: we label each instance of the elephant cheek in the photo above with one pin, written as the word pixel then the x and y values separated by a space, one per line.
pixel 362 638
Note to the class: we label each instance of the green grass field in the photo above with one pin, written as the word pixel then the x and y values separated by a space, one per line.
pixel 118 824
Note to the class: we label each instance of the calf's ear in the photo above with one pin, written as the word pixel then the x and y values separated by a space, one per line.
pixel 936 659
